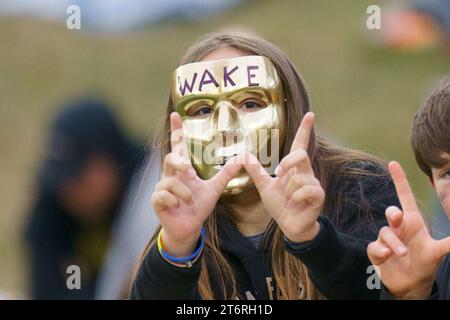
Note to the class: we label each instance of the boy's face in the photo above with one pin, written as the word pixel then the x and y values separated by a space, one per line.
pixel 441 183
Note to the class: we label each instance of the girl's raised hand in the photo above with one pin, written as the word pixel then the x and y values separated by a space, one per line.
pixel 181 199
pixel 294 197
pixel 405 253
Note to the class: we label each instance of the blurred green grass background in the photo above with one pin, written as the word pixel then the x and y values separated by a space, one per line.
pixel 363 97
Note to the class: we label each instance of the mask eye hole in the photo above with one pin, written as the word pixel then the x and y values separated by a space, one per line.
pixel 200 109
pixel 251 105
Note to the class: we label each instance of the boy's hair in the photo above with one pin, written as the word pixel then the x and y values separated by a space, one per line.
pixel 430 135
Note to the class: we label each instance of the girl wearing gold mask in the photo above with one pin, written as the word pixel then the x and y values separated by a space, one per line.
pixel 234 228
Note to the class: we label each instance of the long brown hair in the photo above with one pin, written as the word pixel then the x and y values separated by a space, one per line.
pixel 332 166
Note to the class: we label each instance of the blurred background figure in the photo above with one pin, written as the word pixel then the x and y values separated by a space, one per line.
pixel 136 224
pixel 419 25
pixel 82 184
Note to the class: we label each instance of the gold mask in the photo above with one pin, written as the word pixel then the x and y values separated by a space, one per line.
pixel 228 106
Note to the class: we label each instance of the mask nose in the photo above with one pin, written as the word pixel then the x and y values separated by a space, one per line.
pixel 229 130
pixel 227 118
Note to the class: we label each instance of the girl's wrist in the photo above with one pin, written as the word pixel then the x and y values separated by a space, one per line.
pixel 308 235
pixel 179 249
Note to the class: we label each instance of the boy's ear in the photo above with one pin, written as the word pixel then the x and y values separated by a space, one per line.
pixel 431 182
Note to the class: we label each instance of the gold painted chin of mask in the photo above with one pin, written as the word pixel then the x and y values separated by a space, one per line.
pixel 228 106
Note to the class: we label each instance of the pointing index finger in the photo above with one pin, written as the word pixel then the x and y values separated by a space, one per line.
pixel 303 134
pixel 404 191
pixel 177 140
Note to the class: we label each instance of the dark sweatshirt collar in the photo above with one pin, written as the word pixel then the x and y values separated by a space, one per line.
pixel 232 241
pixel 253 264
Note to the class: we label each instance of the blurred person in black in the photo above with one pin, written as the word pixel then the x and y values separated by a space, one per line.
pixel 81 185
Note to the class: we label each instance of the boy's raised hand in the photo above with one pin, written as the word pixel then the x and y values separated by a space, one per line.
pixel 183 201
pixel 405 253
pixel 294 197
